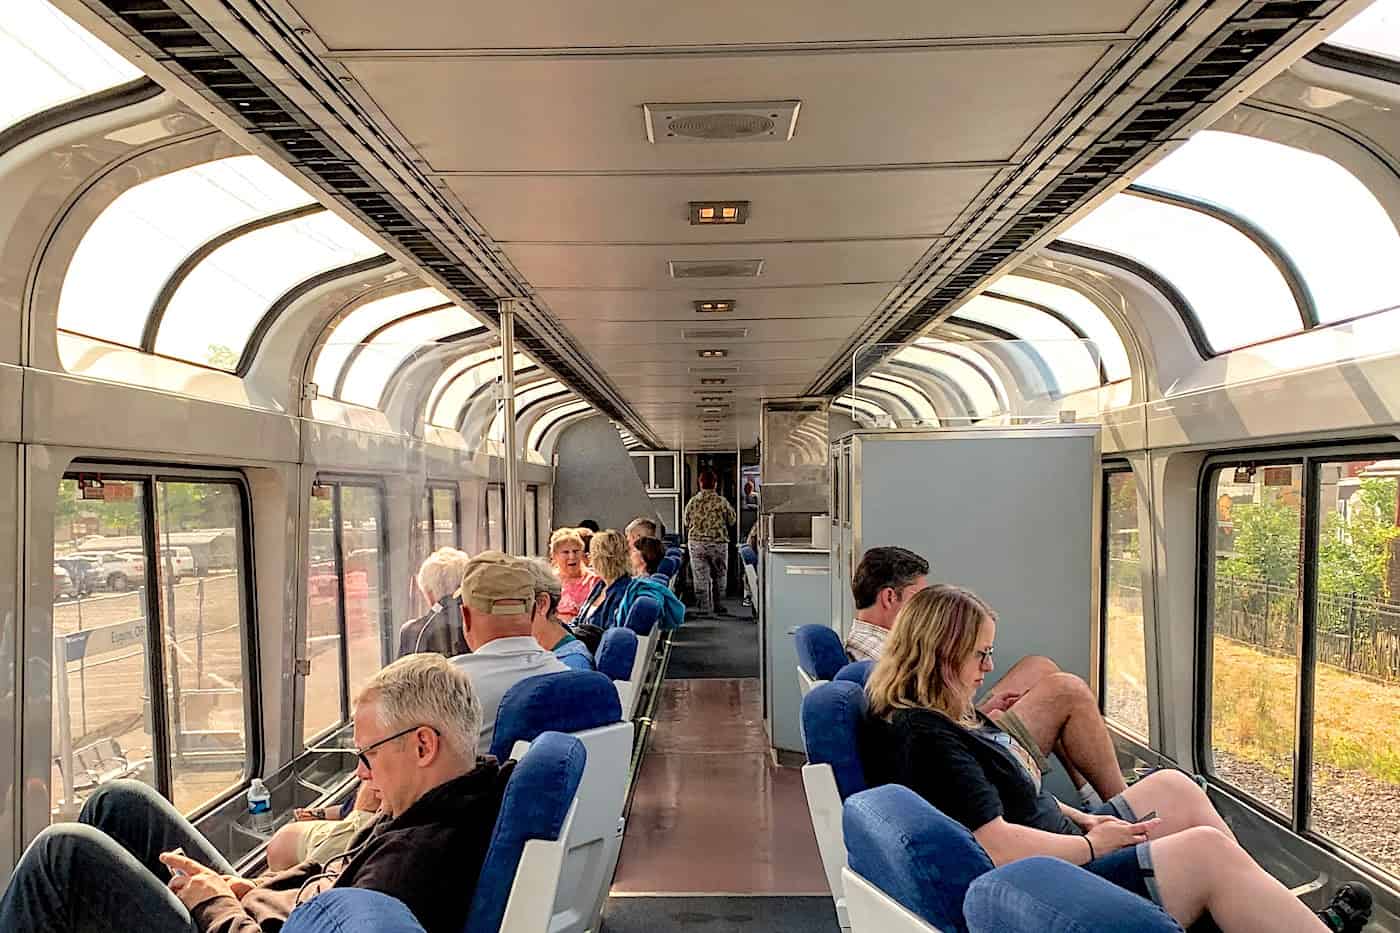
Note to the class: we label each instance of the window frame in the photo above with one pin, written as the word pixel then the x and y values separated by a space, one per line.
pixel 150 476
pixel 1109 468
pixel 1311 458
pixel 486 493
pixel 432 514
pixel 337 481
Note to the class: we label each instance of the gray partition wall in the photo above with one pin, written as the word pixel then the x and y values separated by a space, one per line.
pixel 1009 513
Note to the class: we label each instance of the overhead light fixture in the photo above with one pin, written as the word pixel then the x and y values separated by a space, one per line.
pixel 712 399
pixel 704 213
pixel 713 411
pixel 715 306
pixel 713 354
pixel 712 382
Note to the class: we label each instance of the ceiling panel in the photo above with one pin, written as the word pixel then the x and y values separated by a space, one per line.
pixel 740 351
pixel 445 24
pixel 624 306
pixel 611 267
pixel 653 333
pixel 585 113
pixel 811 206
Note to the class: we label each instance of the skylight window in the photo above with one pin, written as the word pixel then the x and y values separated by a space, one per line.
pixel 1375 30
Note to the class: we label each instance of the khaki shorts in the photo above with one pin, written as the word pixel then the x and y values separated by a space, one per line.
pixel 1012 725
pixel 327 839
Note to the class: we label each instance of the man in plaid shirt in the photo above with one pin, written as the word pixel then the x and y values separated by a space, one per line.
pixel 884 579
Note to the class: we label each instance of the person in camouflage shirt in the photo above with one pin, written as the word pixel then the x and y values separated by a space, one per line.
pixel 707 519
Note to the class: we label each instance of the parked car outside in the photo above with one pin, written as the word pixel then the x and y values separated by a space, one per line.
pixel 63 583
pixel 178 561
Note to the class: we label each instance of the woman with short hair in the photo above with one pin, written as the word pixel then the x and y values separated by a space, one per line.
pixel 930 737
pixel 575 580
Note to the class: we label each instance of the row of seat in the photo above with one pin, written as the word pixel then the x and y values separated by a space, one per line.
pixel 560 829
pixel 895 863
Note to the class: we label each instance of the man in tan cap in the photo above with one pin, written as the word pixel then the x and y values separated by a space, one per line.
pixel 498 601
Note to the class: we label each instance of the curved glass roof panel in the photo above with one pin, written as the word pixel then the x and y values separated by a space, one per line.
pixel 455 386
pixel 1074 365
pixel 916 399
pixel 1235 291
pixel 215 309
pixel 368 373
pixel 46 60
pixel 543 426
pixel 1078 308
pixel 1330 225
pixel 525 397
pixel 129 252
pixel 352 330
pixel 1375 29
pixel 971 380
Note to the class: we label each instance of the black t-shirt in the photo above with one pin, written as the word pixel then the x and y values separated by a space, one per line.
pixel 967 775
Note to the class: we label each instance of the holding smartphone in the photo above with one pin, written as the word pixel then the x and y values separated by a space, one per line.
pixel 1150 816
pixel 177 872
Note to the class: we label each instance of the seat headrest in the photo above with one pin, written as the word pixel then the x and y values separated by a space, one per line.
pixel 832 715
pixel 617 652
pixel 857 672
pixel 668 566
pixel 568 701
pixel 900 843
pixel 819 651
pixel 352 910
pixel 642 614
pixel 538 796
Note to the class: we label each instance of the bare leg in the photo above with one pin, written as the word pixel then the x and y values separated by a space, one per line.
pixel 282 847
pixel 1201 871
pixel 1024 675
pixel 1179 801
pixel 1060 711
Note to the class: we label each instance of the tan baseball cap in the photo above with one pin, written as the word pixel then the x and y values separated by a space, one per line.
pixel 497 584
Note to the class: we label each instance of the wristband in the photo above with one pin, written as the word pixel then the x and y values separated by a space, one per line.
pixel 1091 849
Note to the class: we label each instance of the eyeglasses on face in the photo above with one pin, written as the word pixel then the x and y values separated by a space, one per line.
pixel 363 753
pixel 984 656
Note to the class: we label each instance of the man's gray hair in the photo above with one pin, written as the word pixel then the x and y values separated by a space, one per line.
pixel 546 580
pixel 427 690
pixel 642 521
pixel 441 573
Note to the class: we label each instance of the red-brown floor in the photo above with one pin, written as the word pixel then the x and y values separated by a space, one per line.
pixel 712 814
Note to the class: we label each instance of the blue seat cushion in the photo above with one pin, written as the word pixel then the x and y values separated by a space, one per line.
pixel 352 910
pixel 1047 895
pixel 617 652
pixel 642 614
pixel 857 672
pixel 537 799
pixel 833 716
pixel 900 843
pixel 568 701
pixel 819 651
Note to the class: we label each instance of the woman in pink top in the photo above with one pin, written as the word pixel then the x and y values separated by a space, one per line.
pixel 566 553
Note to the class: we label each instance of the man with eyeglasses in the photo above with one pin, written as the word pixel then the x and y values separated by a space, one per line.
pixel 132 862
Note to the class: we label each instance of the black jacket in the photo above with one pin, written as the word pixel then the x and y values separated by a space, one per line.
pixel 429 857
pixel 439 631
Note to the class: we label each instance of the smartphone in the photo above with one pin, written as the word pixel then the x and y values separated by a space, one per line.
pixel 180 851
pixel 1150 816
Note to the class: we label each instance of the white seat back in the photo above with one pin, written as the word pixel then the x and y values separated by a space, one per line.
pixel 593 839
pixel 536 880
pixel 807 683
pixel 874 911
pixel 824 807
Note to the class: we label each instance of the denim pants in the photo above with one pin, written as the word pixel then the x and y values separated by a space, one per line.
pixel 101 873
pixel 1048 895
pixel 709 562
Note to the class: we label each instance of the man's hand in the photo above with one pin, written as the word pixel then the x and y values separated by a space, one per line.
pixel 194 883
pixel 239 886
pixel 1000 702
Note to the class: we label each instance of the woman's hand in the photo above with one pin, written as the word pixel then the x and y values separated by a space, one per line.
pixel 1085 821
pixel 1112 834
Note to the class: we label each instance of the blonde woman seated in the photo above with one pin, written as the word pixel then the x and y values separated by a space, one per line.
pixel 575 580
pixel 1160 838
pixel 612 561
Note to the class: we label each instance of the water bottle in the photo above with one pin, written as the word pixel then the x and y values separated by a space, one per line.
pixel 259 807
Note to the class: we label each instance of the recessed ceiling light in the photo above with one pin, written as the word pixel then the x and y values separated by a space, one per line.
pixel 703 213
pixel 712 382
pixel 712 399
pixel 713 411
pixel 715 306
pixel 713 354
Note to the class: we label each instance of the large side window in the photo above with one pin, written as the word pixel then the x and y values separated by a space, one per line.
pixel 446 526
pixel 151 637
pixel 1125 655
pixel 532 520
pixel 1304 642
pixel 495 516
pixel 346 637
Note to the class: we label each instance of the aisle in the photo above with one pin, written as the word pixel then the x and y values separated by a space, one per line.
pixel 718 838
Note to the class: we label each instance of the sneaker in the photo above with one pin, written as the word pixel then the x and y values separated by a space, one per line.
pixel 1349 910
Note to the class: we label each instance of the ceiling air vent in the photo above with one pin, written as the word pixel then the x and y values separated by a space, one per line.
pixel 715 268
pixel 741 121
pixel 715 333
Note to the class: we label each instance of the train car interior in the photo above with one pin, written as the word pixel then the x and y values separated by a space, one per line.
pixel 781 466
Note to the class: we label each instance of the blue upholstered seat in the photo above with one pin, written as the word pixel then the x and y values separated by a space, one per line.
pixel 857 672
pixel 831 721
pixel 668 565
pixel 352 910
pixel 642 615
pixel 819 651
pixel 922 859
pixel 1048 895
pixel 570 701
pixel 616 653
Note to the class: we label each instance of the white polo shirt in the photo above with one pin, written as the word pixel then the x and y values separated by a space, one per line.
pixel 497 666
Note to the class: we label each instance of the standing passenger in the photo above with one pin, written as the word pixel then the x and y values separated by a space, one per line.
pixel 707 520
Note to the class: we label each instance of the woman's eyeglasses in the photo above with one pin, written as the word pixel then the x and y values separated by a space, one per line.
pixel 984 656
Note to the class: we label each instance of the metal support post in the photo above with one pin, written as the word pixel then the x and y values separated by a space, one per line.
pixel 514 523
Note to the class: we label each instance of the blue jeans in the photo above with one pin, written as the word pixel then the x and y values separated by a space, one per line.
pixel 101 873
pixel 1048 895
